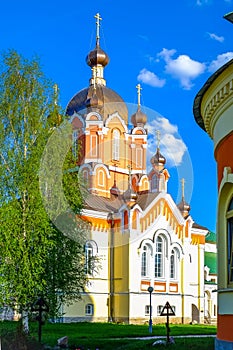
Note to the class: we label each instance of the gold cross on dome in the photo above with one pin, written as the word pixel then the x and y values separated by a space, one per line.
pixel 182 184
pixel 138 87
pixel 98 19
pixel 55 88
pixel 158 137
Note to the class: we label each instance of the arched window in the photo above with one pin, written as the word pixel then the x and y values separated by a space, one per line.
pixel 94 145
pixel 75 143
pixel 85 176
pixel 101 178
pixel 145 260
pixel 116 144
pixel 159 257
pixel 138 157
pixel 230 241
pixel 154 181
pixel 89 258
pixel 174 261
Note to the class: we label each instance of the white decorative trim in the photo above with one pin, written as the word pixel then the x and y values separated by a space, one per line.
pixel 93 113
pixel 134 130
pixel 103 166
pixel 91 160
pixel 116 115
pixel 227 177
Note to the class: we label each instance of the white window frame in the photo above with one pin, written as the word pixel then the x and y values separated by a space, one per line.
pixel 145 260
pixel 101 173
pixel 159 257
pixel 89 309
pixel 138 157
pixel 74 142
pixel 229 217
pixel 116 144
pixel 174 262
pixel 93 145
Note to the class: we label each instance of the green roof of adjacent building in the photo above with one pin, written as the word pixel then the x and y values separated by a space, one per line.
pixel 211 262
pixel 210 237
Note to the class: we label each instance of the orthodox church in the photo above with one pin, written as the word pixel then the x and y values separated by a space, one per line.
pixel 140 237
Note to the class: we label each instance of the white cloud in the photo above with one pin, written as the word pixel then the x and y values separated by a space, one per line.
pixel 182 68
pixel 202 2
pixel 220 61
pixel 162 124
pixel 172 146
pixel 149 78
pixel 216 37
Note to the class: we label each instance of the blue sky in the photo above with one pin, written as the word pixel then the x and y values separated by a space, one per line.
pixel 170 47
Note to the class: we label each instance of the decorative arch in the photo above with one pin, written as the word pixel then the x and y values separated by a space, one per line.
pixel 116 115
pixel 93 114
pixel 166 236
pixel 139 131
pixel 224 229
pixel 77 121
pixel 102 166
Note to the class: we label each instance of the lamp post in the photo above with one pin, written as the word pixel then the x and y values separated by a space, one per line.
pixel 150 290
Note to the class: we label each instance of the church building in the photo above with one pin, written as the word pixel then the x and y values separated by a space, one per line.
pixel 140 237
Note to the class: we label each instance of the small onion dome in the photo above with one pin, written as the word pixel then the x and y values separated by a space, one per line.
pixel 158 158
pixel 184 207
pixel 97 57
pixel 114 190
pixel 130 195
pixel 139 118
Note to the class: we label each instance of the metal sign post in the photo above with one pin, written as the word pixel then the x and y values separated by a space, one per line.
pixel 40 306
pixel 167 311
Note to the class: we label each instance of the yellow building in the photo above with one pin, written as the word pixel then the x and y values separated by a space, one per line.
pixel 213 111
pixel 139 236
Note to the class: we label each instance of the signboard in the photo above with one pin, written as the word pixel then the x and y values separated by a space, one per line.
pixel 167 310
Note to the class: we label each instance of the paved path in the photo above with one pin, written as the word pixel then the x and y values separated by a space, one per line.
pixel 174 336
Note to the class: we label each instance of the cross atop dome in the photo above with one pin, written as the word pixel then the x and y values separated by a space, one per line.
pixel 98 19
pixel 158 138
pixel 138 87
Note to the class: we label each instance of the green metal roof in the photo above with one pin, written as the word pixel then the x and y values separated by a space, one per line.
pixel 210 237
pixel 211 262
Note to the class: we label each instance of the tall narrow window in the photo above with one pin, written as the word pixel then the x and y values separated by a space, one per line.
pixel 101 178
pixel 145 260
pixel 116 145
pixel 230 241
pixel 174 264
pixel 159 258
pixel 89 258
pixel 138 157
pixel 75 143
pixel 94 145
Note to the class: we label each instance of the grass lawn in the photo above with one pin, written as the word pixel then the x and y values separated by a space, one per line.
pixel 108 336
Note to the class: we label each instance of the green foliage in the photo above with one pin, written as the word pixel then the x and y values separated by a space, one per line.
pixel 37 259
pixel 107 336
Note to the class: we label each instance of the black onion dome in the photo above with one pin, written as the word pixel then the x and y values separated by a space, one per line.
pixel 158 158
pixel 114 190
pixel 139 118
pixel 184 207
pixel 110 100
pixel 97 57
